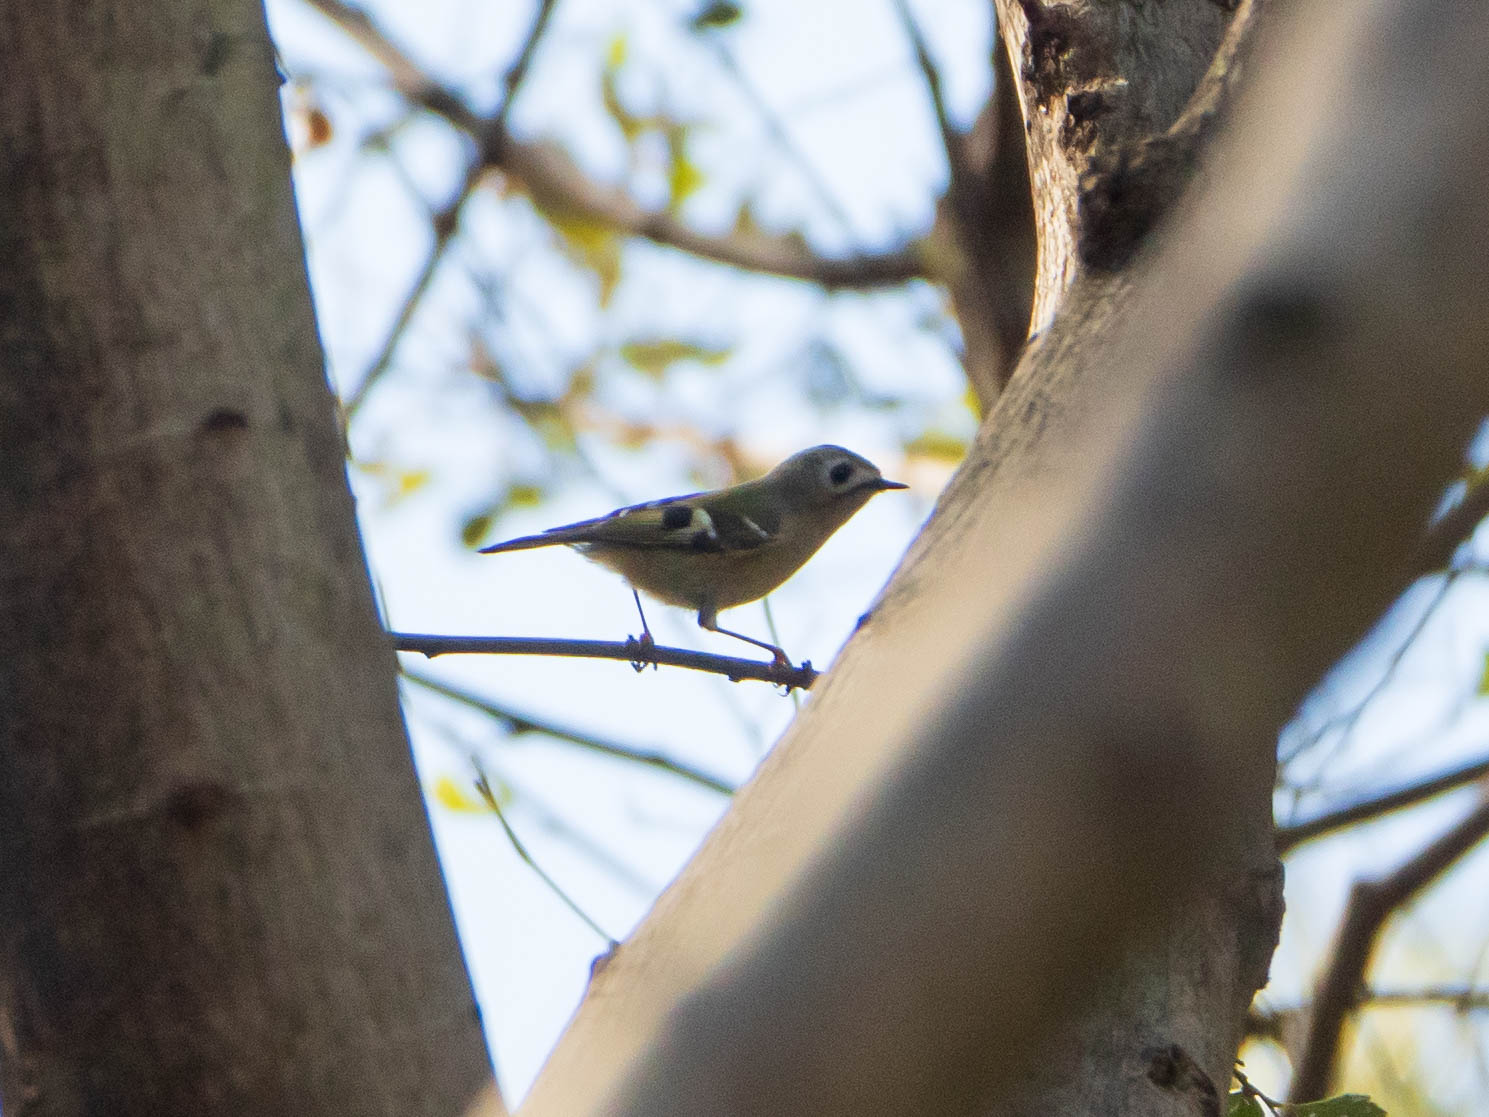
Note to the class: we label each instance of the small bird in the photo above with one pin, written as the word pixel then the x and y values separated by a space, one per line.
pixel 715 550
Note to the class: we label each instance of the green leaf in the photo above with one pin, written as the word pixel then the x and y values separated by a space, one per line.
pixel 684 177
pixel 1345 1105
pixel 616 50
pixel 1484 678
pixel 1243 1105
pixel 716 13
pixel 525 496
pixel 654 356
pixel 590 244
pixel 475 528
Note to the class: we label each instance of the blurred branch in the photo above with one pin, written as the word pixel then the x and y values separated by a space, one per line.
pixel 983 242
pixel 517 72
pixel 1371 904
pixel 1451 529
pixel 445 222
pixel 1275 1023
pixel 557 184
pixel 951 139
pixel 521 723
pixel 632 651
pixel 1294 835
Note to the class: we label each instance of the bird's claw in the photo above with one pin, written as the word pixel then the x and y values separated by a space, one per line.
pixel 642 646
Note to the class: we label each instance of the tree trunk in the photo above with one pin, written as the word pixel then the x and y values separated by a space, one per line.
pixel 1015 856
pixel 219 892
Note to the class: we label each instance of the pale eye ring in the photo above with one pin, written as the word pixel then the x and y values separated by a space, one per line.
pixel 840 473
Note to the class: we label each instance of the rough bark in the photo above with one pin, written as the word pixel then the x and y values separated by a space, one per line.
pixel 1014 856
pixel 219 892
pixel 1100 83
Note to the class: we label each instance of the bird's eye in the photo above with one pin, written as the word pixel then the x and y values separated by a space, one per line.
pixel 840 473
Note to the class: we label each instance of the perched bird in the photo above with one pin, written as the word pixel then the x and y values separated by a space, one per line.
pixel 711 551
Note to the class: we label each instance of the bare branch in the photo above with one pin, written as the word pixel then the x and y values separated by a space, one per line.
pixel 632 651
pixel 1371 904
pixel 1290 837
pixel 522 723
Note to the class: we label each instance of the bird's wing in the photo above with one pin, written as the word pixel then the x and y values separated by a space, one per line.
pixel 684 523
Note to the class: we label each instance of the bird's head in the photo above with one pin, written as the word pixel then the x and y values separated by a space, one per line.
pixel 830 476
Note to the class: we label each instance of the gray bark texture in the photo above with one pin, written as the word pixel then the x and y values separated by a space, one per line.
pixel 1015 857
pixel 218 890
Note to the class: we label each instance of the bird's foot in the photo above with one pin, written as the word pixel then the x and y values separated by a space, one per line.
pixel 643 646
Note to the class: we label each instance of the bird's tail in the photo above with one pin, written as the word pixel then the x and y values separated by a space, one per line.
pixel 525 543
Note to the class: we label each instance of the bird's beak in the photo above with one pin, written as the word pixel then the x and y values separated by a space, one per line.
pixel 884 483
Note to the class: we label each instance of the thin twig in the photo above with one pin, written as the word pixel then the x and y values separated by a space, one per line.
pixel 778 133
pixel 633 652
pixel 522 723
pixel 1292 836
pixel 517 71
pixel 951 139
pixel 1252 1092
pixel 1371 904
pixel 446 221
pixel 483 787
pixel 1345 723
pixel 550 820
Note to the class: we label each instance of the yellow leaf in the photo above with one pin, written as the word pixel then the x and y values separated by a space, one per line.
pixel 458 797
pixel 590 244
pixel 409 482
pixel 654 356
pixel 615 51
pixel 629 123
pixel 938 446
pixel 684 178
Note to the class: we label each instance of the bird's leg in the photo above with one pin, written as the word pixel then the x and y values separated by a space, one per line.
pixel 646 642
pixel 708 619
